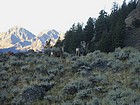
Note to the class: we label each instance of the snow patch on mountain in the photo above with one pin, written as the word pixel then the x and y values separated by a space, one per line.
pixel 20 39
pixel 46 35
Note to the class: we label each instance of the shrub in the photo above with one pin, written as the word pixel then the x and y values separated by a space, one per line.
pixel 86 68
pixel 135 69
pixel 17 63
pixel 78 102
pixel 78 65
pixel 25 68
pixel 53 61
pixel 121 97
pixel 99 63
pixel 121 54
pixel 3 97
pixel 94 101
pixel 135 84
pixel 15 90
pixel 67 103
pixel 40 68
pixel 32 93
pixel 55 71
pixel 98 80
pixel 47 51
pixel 4 75
pixel 49 98
pixel 4 85
pixel 14 79
pixel 84 94
pixel 116 65
pixel 75 86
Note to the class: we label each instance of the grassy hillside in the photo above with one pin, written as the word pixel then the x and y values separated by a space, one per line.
pixel 95 79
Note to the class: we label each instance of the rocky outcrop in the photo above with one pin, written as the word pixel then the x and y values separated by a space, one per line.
pixel 135 14
pixel 138 6
pixel 132 37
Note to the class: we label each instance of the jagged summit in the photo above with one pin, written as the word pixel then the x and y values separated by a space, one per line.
pixel 21 32
pixel 45 35
pixel 50 33
pixel 22 39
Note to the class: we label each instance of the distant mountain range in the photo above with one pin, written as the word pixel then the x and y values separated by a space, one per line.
pixel 18 39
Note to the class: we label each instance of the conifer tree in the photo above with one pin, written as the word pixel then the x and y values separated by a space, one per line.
pixel 73 37
pixel 89 31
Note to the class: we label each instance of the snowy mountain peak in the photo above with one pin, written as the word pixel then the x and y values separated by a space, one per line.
pixel 15 28
pixel 21 33
pixel 45 35
pixel 18 38
pixel 51 33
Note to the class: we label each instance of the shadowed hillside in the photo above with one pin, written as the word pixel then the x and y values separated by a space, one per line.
pixel 95 79
pixel 104 72
pixel 133 38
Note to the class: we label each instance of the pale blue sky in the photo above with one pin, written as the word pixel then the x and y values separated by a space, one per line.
pixel 37 15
